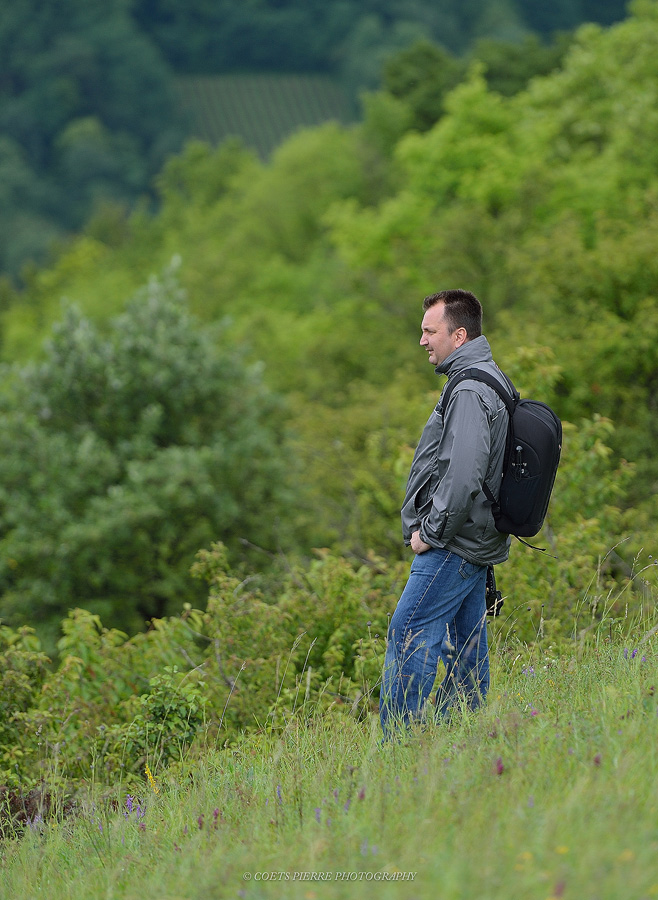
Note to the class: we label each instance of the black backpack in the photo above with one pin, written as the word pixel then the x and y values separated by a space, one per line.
pixel 532 455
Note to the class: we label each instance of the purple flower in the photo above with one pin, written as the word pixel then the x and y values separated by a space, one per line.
pixel 362 794
pixel 347 804
pixel 597 759
pixel 318 813
pixel 499 768
pixel 129 803
pixel 278 793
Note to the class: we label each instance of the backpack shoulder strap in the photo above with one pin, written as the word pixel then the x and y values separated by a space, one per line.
pixel 509 395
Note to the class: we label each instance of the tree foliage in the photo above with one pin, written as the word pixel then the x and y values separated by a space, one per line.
pixel 87 115
pixel 88 109
pixel 542 202
pixel 122 454
pixel 352 37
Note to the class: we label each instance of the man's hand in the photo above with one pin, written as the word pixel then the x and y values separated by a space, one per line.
pixel 417 545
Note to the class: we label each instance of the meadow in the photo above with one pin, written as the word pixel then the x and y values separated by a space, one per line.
pixel 248 416
pixel 546 792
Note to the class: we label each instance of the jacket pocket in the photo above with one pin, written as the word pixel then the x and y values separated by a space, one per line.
pixel 423 495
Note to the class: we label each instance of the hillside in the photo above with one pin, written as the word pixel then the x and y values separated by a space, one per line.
pixel 261 110
pixel 312 266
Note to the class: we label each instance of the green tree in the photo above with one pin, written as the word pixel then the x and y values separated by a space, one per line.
pixel 123 454
pixel 420 76
pixel 564 14
pixel 423 74
pixel 89 106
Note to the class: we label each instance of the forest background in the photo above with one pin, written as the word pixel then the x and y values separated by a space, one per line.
pixel 222 363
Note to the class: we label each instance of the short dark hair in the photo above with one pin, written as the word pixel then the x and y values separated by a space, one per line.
pixel 462 310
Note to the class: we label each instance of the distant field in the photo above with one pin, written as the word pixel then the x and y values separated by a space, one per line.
pixel 261 109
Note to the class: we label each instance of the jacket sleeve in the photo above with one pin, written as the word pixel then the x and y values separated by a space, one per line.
pixel 463 458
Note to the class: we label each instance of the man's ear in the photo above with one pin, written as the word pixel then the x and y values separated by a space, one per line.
pixel 461 336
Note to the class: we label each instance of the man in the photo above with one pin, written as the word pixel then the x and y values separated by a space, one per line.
pixel 447 521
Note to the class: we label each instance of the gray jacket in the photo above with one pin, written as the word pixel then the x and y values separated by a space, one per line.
pixel 459 449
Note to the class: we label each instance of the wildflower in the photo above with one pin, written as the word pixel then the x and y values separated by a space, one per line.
pixel 318 813
pixel 499 768
pixel 362 794
pixel 142 826
pixel 215 817
pixel 129 803
pixel 597 759
pixel 278 793
pixel 528 670
pixel 347 804
pixel 200 821
pixel 149 775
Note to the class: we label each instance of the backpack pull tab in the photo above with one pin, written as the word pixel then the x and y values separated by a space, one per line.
pixel 520 467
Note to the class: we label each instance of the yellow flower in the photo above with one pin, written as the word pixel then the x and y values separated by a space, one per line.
pixel 149 775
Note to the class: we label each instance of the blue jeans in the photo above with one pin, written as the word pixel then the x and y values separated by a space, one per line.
pixel 441 614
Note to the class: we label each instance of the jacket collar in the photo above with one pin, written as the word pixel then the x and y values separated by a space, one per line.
pixel 469 354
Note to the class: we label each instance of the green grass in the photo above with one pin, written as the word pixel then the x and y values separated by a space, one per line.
pixel 549 791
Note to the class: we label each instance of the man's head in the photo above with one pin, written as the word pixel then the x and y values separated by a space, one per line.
pixel 451 318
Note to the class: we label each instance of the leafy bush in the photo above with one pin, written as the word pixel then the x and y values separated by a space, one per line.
pixel 121 454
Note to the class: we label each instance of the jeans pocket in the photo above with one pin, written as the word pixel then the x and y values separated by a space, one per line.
pixel 468 569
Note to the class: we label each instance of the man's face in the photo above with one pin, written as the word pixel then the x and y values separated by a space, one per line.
pixel 436 339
